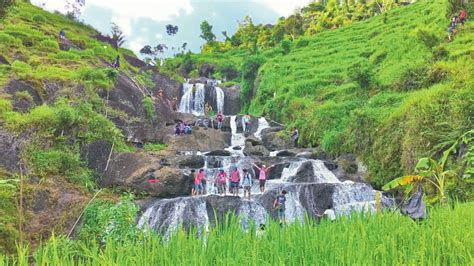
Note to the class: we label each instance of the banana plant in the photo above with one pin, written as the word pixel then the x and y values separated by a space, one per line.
pixel 427 170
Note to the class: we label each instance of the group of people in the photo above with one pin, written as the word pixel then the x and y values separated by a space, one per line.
pixel 234 181
pixel 461 18
pixel 182 128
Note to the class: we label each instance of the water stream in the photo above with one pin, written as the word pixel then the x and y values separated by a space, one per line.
pixel 194 98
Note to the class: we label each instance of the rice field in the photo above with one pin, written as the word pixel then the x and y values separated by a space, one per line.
pixel 446 238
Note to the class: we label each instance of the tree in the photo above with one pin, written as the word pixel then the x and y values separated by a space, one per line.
pixel 4 7
pixel 294 25
pixel 117 36
pixel 73 8
pixel 171 30
pixel 206 32
pixel 147 50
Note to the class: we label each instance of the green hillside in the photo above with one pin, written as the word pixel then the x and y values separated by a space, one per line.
pixel 390 89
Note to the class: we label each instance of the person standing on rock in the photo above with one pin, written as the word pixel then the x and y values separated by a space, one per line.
pixel 234 182
pixel 221 181
pixel 197 183
pixel 247 183
pixel 295 136
pixel 262 177
pixel 220 120
pixel 203 182
pixel 279 204
pixel 247 123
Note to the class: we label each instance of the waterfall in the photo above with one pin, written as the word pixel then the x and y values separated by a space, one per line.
pixel 321 173
pixel 262 124
pixel 219 99
pixel 238 139
pixel 199 98
pixel 186 103
pixel 194 97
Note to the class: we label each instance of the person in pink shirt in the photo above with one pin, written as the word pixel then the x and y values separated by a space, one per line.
pixel 234 182
pixel 262 176
pixel 197 182
pixel 221 181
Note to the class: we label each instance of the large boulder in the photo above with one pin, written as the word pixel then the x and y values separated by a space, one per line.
pixel 193 161
pixel 274 142
pixel 349 168
pixel 135 170
pixel 232 100
pixel 218 207
pixel 257 150
pixel 24 95
pixel 200 139
pixel 305 173
pixel 96 155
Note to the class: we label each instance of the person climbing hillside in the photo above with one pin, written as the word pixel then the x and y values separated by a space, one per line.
pixel 247 123
pixel 454 21
pixel 235 181
pixel 62 35
pixel 197 183
pixel 247 183
pixel 262 177
pixel 450 33
pixel 220 120
pixel 221 181
pixel 279 205
pixel 174 104
pixel 116 63
pixel 295 136
pixel 462 17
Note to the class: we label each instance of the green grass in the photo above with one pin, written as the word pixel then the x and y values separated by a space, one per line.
pixel 150 147
pixel 446 238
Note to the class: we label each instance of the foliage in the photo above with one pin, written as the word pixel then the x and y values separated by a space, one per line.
pixel 117 36
pixel 206 32
pixel 5 5
pixel 149 107
pixel 9 187
pixel 154 147
pixel 370 240
pixel 285 46
pixel 171 29
pixel 107 221
pixel 249 71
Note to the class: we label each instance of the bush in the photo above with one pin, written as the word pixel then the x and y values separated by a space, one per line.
pixel 154 147
pixel 49 44
pixel 149 107
pixel 249 71
pixel 285 46
pixel 5 106
pixel 427 36
pixel 228 71
pixel 302 43
pixel 39 18
pixel 97 78
pixel 24 95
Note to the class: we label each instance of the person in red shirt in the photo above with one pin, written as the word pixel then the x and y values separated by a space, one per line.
pixel 462 17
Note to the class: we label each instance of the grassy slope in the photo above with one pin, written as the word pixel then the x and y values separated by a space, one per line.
pixel 392 239
pixel 420 92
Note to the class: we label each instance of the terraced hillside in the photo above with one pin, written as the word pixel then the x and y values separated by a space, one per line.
pixel 390 89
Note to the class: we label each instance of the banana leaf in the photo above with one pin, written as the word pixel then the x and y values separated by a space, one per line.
pixel 401 181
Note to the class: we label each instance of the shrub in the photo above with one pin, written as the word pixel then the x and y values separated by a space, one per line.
pixel 302 43
pixel 249 71
pixel 427 36
pixel 24 95
pixel 21 68
pixel 149 107
pixel 38 18
pixel 285 46
pixel 5 106
pixel 97 78
pixel 154 147
pixel 49 44
pixel 228 71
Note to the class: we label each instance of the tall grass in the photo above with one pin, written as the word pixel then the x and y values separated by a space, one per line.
pixel 446 238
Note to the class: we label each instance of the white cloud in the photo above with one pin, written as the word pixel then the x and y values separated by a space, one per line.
pixel 126 11
pixel 137 44
pixel 159 36
pixel 285 7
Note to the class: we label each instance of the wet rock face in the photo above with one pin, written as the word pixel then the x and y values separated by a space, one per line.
pixel 272 142
pixel 218 206
pixel 192 162
pixel 232 100
pixel 257 150
pixel 305 173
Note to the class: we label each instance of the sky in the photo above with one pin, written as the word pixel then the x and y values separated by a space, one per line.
pixel 143 21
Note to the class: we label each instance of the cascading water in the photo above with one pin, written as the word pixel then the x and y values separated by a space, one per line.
pixel 262 124
pixel 194 97
pixel 219 99
pixel 311 187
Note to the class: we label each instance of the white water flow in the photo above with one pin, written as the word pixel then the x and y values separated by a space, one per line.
pixel 194 97
pixel 321 173
pixel 262 124
pixel 237 142
pixel 219 99
pixel 186 103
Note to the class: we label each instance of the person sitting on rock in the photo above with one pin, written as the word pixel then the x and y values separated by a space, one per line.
pixel 220 120
pixel 177 129
pixel 187 129
pixel 221 181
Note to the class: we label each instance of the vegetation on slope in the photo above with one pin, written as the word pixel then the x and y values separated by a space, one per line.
pixel 393 239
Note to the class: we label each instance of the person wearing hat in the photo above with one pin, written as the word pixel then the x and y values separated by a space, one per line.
pixel 262 176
